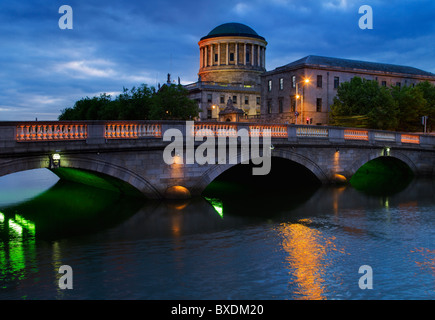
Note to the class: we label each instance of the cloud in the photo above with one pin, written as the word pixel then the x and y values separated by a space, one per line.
pixel 86 69
pixel 116 44
pixel 336 4
pixel 241 9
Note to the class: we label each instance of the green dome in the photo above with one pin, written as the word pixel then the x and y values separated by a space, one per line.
pixel 232 29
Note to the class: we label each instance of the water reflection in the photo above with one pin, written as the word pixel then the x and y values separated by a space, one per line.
pixel 65 210
pixel 306 250
pixel 295 245
pixel 69 208
pixel 25 185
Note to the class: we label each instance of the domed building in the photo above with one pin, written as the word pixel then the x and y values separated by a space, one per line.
pixel 232 58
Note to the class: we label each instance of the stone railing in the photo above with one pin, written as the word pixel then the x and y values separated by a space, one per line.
pixel 132 130
pixel 407 138
pixel 98 132
pixel 312 132
pixel 51 131
pixel 214 129
pixel 353 134
pixel 275 131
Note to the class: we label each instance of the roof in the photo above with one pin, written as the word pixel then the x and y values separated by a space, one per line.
pixel 232 29
pixel 319 61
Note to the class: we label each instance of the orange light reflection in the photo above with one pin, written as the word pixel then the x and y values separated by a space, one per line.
pixel 307 249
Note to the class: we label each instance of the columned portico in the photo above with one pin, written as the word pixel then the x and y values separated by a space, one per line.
pixel 232 58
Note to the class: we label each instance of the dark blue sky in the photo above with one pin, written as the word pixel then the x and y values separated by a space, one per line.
pixel 116 44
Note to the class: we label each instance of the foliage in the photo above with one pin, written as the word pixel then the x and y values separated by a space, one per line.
pixel 171 102
pixel 141 103
pixel 363 103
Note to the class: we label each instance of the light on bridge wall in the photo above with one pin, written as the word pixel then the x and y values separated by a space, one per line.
pixel 55 161
pixel 386 152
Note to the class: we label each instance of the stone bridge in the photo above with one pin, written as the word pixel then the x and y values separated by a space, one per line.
pixel 133 150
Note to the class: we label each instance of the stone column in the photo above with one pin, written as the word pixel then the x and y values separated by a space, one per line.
pixel 237 53
pixel 219 54
pixel 200 58
pixel 258 55
pixel 228 53
pixel 211 55
pixel 264 57
pixel 244 53
pixel 205 56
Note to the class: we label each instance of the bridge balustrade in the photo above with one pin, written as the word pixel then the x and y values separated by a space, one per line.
pixel 99 130
pixel 132 130
pixel 275 131
pixel 407 138
pixel 312 132
pixel 56 131
pixel 214 129
pixel 351 134
pixel 385 136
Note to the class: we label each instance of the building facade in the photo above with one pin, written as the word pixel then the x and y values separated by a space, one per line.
pixel 303 91
pixel 232 58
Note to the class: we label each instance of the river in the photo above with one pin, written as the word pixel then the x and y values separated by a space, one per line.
pixel 289 246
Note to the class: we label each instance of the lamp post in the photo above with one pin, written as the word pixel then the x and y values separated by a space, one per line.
pixel 305 81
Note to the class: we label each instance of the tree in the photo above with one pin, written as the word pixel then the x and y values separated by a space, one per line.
pixel 86 108
pixel 411 106
pixel 365 104
pixel 428 91
pixel 141 103
pixel 172 102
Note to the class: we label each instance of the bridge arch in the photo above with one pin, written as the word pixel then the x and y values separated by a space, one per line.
pixel 24 164
pixel 215 170
pixel 84 163
pixel 113 170
pixel 374 154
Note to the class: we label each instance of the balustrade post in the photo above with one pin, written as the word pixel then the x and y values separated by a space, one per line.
pixel 95 133
pixel 427 141
pixel 292 133
pixel 398 138
pixel 371 136
pixel 8 136
pixel 336 135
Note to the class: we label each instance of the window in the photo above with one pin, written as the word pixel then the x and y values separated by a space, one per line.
pixel 319 105
pixel 319 81
pixel 269 87
pixel 231 56
pixel 208 114
pixel 246 100
pixel 293 104
pixel 247 56
pixel 258 100
pixel 209 98
pixel 216 57
pixel 222 99
pixel 234 99
pixel 281 83
pixel 293 81
pixel 398 84
pixel 269 106
pixel 384 83
pixel 336 82
pixel 280 105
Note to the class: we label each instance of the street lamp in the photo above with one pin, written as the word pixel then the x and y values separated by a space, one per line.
pixel 305 81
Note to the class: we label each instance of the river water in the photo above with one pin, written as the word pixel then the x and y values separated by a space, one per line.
pixel 297 246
